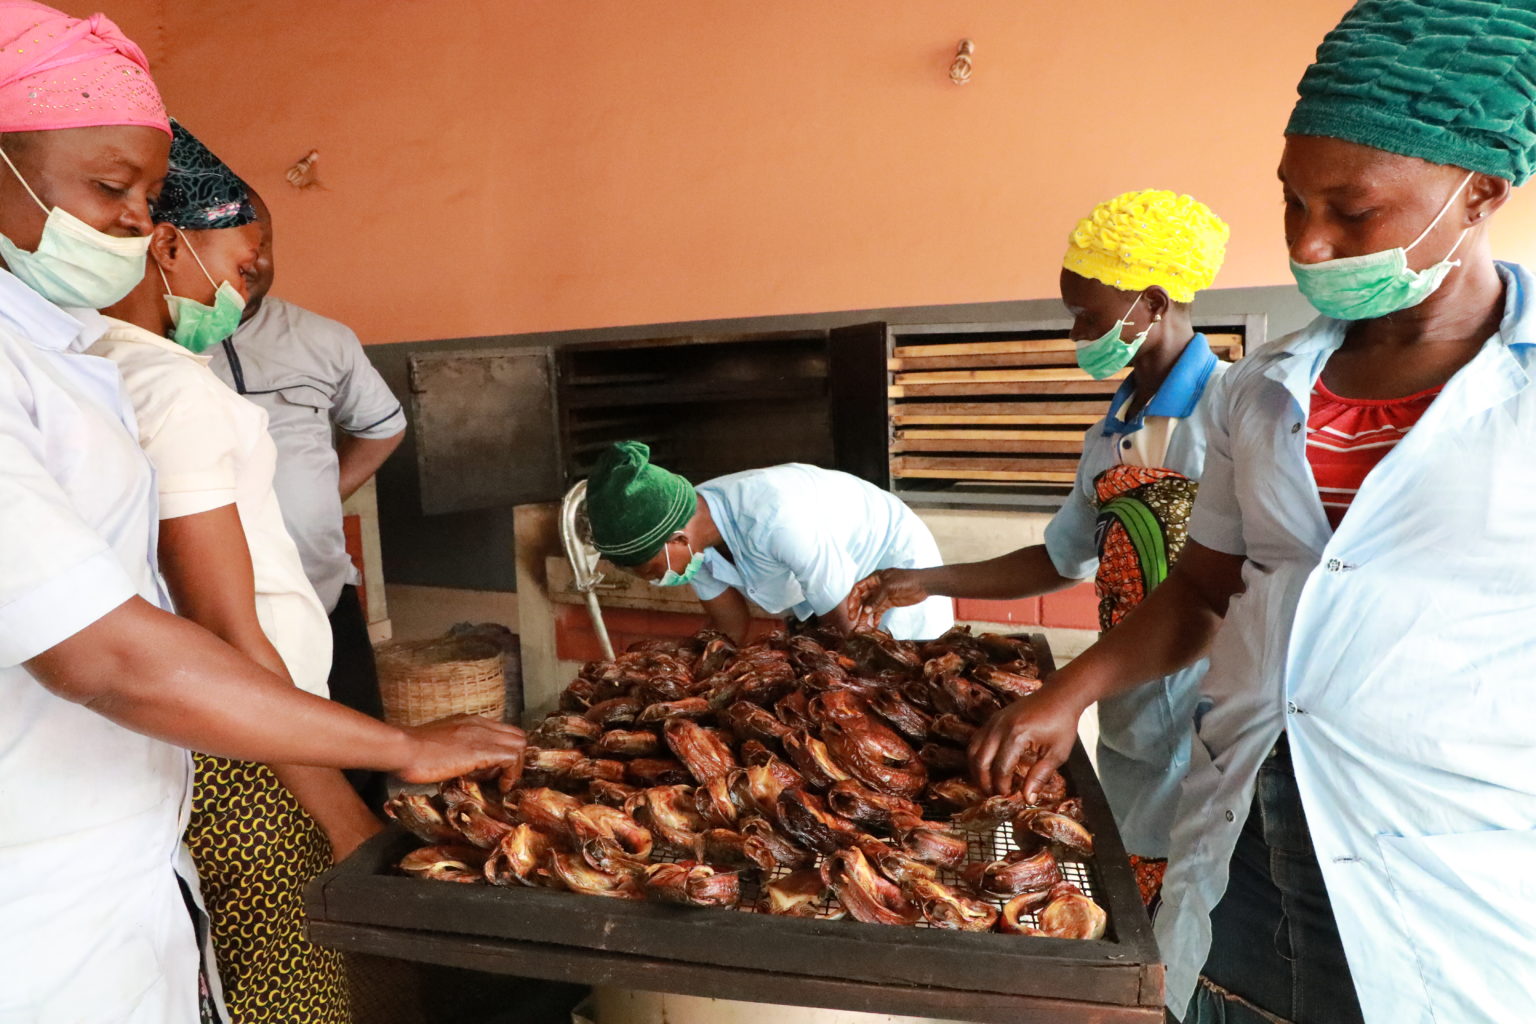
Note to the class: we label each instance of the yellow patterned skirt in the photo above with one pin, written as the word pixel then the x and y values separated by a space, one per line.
pixel 255 850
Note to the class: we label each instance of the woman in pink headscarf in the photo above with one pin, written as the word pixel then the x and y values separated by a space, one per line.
pixel 103 689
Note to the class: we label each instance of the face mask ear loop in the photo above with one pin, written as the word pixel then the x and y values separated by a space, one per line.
pixel 161 271
pixel 1449 200
pixel 1459 239
pixel 196 257
pixel 4 156
pixel 666 550
pixel 1123 321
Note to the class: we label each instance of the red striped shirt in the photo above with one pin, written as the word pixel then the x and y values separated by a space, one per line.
pixel 1347 437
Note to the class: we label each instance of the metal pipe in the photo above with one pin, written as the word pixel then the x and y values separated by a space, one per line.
pixel 583 558
pixel 599 625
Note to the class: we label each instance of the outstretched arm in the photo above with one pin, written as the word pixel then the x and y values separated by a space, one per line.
pixel 207 568
pixel 729 614
pixel 163 676
pixel 1172 628
pixel 1027 572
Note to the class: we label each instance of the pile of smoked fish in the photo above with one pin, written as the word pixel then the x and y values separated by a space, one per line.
pixel 827 771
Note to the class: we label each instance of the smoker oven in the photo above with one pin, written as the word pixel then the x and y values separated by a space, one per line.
pixel 967 414
pixel 513 426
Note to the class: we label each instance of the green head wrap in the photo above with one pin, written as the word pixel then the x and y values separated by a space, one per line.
pixel 634 506
pixel 1448 81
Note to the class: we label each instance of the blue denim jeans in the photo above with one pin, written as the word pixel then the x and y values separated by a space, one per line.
pixel 1275 950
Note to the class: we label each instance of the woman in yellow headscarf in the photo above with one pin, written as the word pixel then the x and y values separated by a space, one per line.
pixel 1131 271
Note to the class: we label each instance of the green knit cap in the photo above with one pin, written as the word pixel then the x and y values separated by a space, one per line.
pixel 634 506
pixel 1448 81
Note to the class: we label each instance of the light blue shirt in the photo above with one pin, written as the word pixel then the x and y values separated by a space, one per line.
pixel 800 538
pixel 1143 748
pixel 1399 653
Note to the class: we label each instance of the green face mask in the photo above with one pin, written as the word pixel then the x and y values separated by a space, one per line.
pixel 677 579
pixel 1378 283
pixel 199 326
pixel 1108 354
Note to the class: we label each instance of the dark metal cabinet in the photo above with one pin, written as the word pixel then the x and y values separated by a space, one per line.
pixel 485 428
pixel 972 414
pixel 706 406
pixel 505 426
pixel 861 427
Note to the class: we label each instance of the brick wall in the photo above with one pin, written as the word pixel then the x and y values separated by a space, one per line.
pixel 352 527
pixel 575 639
pixel 1075 608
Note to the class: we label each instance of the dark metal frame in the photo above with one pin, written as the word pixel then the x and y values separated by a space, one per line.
pixel 363 906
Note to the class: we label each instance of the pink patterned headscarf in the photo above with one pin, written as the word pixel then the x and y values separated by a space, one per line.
pixel 63 72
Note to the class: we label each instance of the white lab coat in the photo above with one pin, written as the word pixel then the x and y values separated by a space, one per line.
pixel 1399 655
pixel 93 927
pixel 210 448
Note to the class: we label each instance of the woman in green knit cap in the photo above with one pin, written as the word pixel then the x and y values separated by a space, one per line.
pixel 793 538
pixel 1355 832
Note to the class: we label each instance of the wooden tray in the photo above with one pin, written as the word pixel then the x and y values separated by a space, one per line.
pixel 981 380
pixel 362 906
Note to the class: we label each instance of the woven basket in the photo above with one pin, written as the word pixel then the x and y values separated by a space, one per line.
pixel 424 680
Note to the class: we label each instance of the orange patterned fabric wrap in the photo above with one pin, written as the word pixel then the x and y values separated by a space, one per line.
pixel 1143 519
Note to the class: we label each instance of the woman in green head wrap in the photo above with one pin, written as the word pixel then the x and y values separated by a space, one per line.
pixel 794 539
pixel 1358 812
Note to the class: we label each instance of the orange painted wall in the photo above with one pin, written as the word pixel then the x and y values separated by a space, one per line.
pixel 504 167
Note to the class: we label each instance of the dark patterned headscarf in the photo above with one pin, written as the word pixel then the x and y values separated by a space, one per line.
pixel 200 193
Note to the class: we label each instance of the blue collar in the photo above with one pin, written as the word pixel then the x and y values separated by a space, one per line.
pixel 1177 397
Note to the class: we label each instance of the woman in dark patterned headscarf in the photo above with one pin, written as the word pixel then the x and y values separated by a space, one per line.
pixel 258 834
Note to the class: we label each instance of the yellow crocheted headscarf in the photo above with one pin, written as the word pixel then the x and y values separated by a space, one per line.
pixel 1150 237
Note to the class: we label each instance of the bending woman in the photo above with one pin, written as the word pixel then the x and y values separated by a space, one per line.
pixel 1358 811
pixel 232 568
pixel 793 538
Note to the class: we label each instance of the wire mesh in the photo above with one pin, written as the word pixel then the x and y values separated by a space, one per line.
pixel 981 849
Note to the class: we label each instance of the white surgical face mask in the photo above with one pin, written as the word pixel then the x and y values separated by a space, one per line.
pixel 74 264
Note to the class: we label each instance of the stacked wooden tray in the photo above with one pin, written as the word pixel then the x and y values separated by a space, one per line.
pixel 996 411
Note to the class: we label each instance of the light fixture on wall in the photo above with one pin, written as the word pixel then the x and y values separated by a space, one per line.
pixel 302 174
pixel 960 68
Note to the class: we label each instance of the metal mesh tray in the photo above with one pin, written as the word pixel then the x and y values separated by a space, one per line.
pixel 981 849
